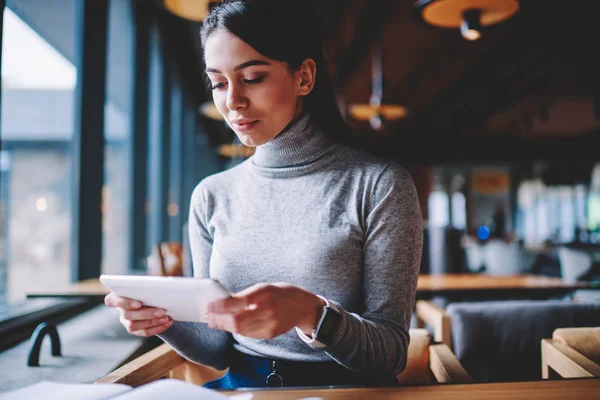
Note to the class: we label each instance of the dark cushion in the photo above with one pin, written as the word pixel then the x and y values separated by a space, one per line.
pixel 501 341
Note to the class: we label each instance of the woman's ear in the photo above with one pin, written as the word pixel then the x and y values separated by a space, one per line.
pixel 307 73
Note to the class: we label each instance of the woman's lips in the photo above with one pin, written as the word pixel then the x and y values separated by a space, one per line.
pixel 244 127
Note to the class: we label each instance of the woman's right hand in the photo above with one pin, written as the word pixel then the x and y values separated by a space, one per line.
pixel 137 319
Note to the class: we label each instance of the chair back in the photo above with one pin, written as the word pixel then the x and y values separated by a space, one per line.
pixel 417 364
pixel 501 341
pixel 573 263
pixel 474 253
pixel 166 259
pixel 503 258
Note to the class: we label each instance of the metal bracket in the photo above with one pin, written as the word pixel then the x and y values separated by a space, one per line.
pixel 37 337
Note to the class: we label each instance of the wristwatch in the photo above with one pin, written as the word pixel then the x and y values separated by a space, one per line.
pixel 328 324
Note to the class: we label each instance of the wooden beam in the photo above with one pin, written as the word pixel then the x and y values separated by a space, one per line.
pixel 521 59
pixel 422 147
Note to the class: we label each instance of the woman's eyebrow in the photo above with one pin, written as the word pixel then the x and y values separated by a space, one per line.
pixel 247 64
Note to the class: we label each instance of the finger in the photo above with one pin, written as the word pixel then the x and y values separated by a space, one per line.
pixel 245 321
pixel 222 322
pixel 242 300
pixel 153 331
pixel 241 322
pixel 145 313
pixel 230 305
pixel 112 300
pixel 261 329
pixel 149 323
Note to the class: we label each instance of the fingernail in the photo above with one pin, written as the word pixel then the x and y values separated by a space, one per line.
pixel 169 323
pixel 163 320
pixel 135 304
pixel 159 313
pixel 205 316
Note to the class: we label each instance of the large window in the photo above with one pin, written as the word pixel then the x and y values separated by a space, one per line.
pixel 438 208
pixel 459 210
pixel 38 85
pixel 117 133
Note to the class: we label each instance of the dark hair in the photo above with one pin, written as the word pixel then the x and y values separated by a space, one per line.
pixel 289 31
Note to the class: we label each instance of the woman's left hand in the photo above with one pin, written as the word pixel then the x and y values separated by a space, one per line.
pixel 265 311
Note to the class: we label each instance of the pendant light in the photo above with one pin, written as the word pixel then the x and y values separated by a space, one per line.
pixel 470 16
pixel 193 10
pixel 376 112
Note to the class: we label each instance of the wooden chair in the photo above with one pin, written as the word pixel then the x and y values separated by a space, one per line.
pixel 430 363
pixel 485 337
pixel 427 363
pixel 166 259
pixel 571 353
pixel 161 362
pixel 436 317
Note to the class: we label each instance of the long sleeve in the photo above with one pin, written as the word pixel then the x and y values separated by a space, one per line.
pixel 376 341
pixel 196 341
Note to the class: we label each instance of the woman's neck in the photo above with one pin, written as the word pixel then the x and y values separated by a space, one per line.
pixel 298 144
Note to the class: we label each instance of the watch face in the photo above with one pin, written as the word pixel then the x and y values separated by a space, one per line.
pixel 328 326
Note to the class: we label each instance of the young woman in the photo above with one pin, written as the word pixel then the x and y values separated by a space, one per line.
pixel 320 243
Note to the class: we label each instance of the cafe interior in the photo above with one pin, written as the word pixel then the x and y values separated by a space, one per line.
pixel 492 106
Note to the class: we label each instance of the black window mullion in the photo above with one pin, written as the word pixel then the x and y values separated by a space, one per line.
pixel 88 138
pixel 139 143
pixel 158 146
pixel 188 161
pixel 175 181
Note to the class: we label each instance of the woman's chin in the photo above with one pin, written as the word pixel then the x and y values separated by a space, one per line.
pixel 252 140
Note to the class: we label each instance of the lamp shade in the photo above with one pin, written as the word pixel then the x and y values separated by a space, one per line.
pixel 467 15
pixel 193 10
pixel 389 112
pixel 376 112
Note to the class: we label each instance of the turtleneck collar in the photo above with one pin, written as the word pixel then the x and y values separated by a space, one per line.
pixel 298 144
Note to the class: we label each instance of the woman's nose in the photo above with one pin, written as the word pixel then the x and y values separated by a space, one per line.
pixel 236 99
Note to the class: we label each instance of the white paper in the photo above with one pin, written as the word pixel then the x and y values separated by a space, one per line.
pixel 66 391
pixel 174 388
pixel 158 390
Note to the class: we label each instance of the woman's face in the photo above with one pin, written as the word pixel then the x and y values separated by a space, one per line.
pixel 257 96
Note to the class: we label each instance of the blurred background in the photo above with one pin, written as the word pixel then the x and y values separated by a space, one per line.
pixel 106 128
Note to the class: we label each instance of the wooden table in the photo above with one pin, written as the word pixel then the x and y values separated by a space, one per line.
pixel 480 286
pixel 580 389
pixel 91 288
pixel 448 285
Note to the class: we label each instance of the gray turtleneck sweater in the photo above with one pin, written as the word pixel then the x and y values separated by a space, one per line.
pixel 308 212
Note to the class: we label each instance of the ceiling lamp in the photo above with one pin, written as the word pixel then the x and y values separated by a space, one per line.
pixel 194 10
pixel 209 110
pixel 376 112
pixel 467 15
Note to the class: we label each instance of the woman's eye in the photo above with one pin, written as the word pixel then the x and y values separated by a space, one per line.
pixel 253 81
pixel 217 86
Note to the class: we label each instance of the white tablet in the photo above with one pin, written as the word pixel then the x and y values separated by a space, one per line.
pixel 184 299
